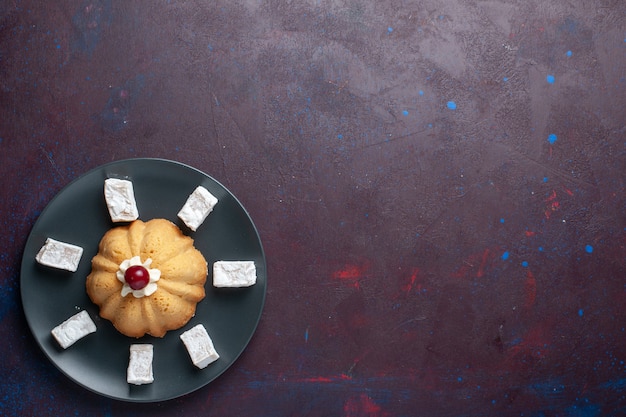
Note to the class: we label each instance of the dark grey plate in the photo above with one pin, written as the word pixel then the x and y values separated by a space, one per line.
pixel 78 215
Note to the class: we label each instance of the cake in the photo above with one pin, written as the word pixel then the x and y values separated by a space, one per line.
pixel 147 278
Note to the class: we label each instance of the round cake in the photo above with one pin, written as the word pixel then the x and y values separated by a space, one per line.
pixel 147 278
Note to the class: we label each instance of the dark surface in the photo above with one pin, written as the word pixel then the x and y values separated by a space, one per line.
pixel 99 362
pixel 422 259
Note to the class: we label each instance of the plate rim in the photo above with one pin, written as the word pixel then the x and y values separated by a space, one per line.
pixel 102 168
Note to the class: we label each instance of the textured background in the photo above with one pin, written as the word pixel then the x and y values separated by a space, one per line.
pixel 439 187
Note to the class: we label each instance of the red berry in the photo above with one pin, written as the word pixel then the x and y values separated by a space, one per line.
pixel 137 277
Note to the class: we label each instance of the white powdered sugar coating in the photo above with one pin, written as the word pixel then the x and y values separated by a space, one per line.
pixel 139 370
pixel 59 255
pixel 120 200
pixel 234 274
pixel 200 346
pixel 73 329
pixel 197 207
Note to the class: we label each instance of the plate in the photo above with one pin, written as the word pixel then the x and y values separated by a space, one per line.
pixel 78 215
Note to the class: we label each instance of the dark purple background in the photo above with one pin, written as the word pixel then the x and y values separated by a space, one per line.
pixel 432 250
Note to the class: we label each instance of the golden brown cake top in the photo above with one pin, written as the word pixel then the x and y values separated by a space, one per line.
pixel 180 286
